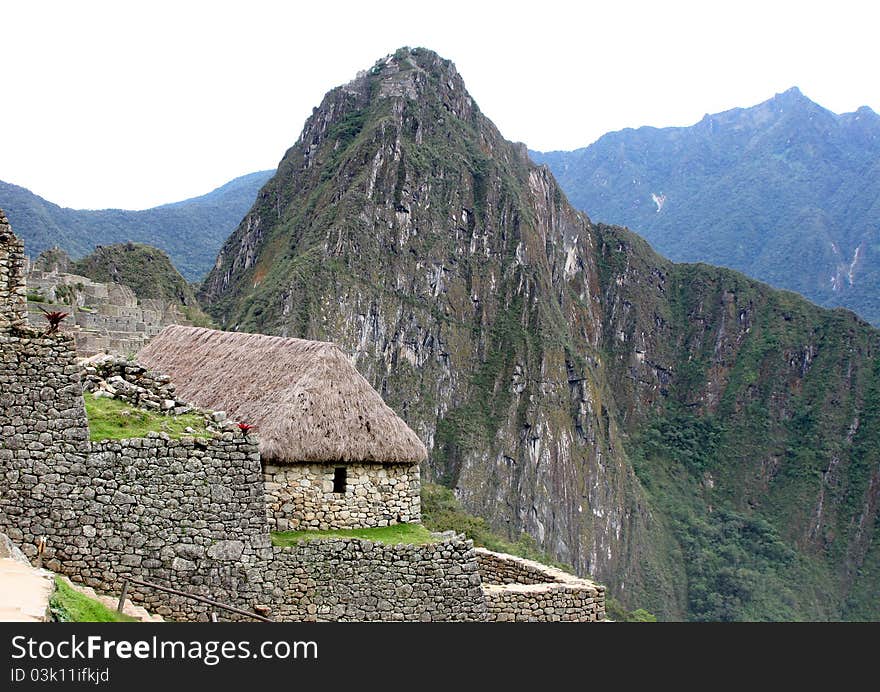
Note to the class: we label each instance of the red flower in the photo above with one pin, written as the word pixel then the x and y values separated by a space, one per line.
pixel 54 319
pixel 245 428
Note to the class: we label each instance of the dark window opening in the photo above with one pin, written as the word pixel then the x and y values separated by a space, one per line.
pixel 339 479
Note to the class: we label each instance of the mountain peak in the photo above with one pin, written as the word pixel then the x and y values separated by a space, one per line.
pixel 413 85
pixel 791 94
pixel 792 98
pixel 865 112
pixel 528 346
pixel 415 74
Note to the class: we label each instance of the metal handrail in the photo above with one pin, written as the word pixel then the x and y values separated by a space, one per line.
pixel 176 592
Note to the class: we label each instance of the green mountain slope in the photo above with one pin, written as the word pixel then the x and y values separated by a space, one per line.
pixel 191 231
pixel 674 430
pixel 144 269
pixel 785 191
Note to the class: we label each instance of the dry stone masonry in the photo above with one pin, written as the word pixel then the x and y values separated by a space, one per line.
pixel 526 591
pixel 192 513
pixel 354 580
pixel 302 496
pixel 189 513
pixel 13 293
pixel 103 318
pixel 42 415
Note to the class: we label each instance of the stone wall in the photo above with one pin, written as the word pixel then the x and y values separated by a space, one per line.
pixel 501 568
pixel 356 580
pixel 42 415
pixel 300 496
pixel 186 513
pixel 516 591
pixel 13 294
pixel 189 514
pixel 544 603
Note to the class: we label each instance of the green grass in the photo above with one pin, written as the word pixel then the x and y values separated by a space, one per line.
pixel 69 605
pixel 414 534
pixel 110 419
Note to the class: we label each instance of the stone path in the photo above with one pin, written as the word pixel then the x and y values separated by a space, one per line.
pixel 24 592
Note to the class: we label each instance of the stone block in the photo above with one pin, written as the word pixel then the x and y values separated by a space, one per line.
pixel 226 550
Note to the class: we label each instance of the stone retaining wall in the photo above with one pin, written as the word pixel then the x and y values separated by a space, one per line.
pixel 501 568
pixel 102 317
pixel 301 496
pixel 356 580
pixel 189 514
pixel 555 597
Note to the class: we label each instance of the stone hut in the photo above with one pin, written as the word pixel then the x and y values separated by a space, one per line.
pixel 334 455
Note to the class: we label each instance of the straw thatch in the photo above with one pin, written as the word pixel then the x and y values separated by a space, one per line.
pixel 306 399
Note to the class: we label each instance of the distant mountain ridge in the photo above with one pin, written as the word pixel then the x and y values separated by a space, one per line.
pixel 706 446
pixel 190 231
pixel 785 191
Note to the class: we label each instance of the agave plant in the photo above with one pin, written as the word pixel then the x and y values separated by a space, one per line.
pixel 54 318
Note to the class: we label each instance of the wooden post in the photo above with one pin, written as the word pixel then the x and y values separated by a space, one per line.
pixel 122 596
pixel 41 546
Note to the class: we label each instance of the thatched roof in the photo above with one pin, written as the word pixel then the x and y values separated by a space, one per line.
pixel 306 399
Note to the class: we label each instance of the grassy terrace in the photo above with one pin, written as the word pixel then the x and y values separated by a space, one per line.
pixel 414 534
pixel 68 605
pixel 110 419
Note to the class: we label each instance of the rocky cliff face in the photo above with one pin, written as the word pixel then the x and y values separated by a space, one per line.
pixel 528 347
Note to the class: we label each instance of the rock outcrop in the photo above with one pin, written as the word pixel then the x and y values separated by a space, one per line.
pixel 644 421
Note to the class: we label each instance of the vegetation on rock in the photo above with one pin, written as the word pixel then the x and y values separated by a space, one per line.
pixel 749 189
pixel 701 443
pixel 69 605
pixel 110 419
pixel 412 534
pixel 441 511
pixel 145 270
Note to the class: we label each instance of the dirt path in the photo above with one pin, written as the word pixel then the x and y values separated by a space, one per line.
pixel 24 592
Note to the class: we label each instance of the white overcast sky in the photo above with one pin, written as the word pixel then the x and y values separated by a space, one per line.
pixel 133 104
